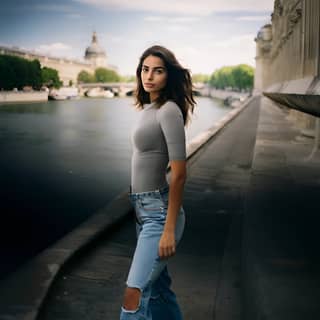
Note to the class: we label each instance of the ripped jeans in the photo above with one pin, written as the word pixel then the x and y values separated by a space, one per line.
pixel 147 272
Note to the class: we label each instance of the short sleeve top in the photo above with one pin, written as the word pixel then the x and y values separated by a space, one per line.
pixel 157 138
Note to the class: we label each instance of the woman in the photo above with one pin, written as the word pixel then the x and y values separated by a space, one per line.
pixel 164 93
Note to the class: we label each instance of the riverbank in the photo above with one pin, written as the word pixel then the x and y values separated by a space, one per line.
pixel 223 94
pixel 41 271
pixel 7 97
pixel 63 160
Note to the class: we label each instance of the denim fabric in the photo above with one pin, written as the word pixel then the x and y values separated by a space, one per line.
pixel 148 272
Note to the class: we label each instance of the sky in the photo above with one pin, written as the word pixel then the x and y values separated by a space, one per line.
pixel 203 34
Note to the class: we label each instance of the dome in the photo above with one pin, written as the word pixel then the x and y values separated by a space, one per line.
pixel 94 50
pixel 265 33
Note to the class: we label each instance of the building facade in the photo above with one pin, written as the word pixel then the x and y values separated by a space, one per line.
pixel 95 56
pixel 288 51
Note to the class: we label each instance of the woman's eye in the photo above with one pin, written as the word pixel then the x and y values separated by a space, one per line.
pixel 144 70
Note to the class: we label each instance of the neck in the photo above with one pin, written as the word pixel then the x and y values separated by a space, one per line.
pixel 153 96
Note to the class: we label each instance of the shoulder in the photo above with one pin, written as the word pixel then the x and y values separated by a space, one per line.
pixel 169 109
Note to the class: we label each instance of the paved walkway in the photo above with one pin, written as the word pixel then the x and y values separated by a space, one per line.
pixel 206 269
pixel 281 256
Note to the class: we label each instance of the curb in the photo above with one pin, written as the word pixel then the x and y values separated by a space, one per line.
pixel 201 139
pixel 24 291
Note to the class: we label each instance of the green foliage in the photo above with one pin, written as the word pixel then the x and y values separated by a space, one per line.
pixel 100 75
pixel 200 77
pixel 106 75
pixel 243 76
pixel 50 77
pixel 7 74
pixel 85 77
pixel 238 77
pixel 16 72
pixel 127 78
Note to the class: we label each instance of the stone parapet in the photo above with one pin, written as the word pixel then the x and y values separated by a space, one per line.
pixel 12 97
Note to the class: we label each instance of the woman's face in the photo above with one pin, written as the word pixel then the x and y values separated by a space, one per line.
pixel 153 76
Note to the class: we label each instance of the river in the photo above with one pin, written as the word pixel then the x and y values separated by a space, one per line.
pixel 61 161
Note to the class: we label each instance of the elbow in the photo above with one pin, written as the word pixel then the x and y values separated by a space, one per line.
pixel 179 178
pixel 178 172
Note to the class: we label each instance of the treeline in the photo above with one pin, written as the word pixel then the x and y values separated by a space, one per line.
pixel 238 77
pixel 99 75
pixel 16 72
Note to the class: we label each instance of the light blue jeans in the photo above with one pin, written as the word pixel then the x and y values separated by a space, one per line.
pixel 147 272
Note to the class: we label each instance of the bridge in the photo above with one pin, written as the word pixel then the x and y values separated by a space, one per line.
pixel 127 88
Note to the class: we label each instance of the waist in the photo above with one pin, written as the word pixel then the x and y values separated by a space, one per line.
pixel 158 192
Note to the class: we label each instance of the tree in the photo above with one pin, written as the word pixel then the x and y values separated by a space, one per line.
pixel 35 74
pixel 7 74
pixel 199 77
pixel 50 77
pixel 106 75
pixel 85 77
pixel 243 76
pixel 128 78
pixel 222 78
pixel 237 77
pixel 16 72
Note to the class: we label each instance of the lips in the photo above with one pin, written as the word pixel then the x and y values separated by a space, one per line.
pixel 149 85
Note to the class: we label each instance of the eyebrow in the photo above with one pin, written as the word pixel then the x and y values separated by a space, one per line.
pixel 159 67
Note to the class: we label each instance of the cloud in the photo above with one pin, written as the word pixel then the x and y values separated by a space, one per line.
pixel 75 15
pixel 170 19
pixel 186 54
pixel 254 18
pixel 110 37
pixel 172 24
pixel 200 7
pixel 54 7
pixel 60 8
pixel 237 40
pixel 56 48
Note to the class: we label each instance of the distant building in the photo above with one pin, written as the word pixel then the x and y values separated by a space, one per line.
pixel 95 54
pixel 68 68
pixel 263 49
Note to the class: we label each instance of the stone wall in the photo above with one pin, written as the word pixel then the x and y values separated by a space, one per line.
pixel 12 97
pixel 288 49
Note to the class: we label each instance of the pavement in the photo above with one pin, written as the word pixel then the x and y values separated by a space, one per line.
pixel 280 255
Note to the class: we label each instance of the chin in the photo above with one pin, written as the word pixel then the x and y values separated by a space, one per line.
pixel 149 90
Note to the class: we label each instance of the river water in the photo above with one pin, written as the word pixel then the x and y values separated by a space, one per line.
pixel 61 161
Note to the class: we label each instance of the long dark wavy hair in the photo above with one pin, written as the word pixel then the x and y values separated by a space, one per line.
pixel 178 87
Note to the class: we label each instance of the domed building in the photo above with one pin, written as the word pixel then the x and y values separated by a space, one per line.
pixel 95 54
pixel 263 50
pixel 68 68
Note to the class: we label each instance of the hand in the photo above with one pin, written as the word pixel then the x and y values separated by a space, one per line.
pixel 167 245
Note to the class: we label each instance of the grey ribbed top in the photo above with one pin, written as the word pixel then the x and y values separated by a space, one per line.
pixel 157 138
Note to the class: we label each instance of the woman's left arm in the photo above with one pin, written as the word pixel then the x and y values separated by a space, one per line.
pixel 171 121
pixel 167 245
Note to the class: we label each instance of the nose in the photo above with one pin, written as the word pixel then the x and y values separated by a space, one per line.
pixel 150 75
